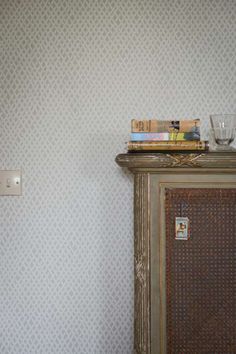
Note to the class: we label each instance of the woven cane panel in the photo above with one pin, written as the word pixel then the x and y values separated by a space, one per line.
pixel 200 272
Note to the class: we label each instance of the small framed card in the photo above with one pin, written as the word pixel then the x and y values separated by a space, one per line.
pixel 182 228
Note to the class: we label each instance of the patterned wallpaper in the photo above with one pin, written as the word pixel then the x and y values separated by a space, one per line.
pixel 73 74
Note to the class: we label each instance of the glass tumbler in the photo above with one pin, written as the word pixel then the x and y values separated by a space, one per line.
pixel 223 126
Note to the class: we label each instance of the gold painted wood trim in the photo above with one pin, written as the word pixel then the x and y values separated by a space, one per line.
pixel 210 160
pixel 142 311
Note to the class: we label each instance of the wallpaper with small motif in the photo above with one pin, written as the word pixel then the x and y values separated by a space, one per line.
pixel 73 74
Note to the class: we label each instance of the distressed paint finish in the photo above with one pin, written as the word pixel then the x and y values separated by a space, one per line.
pixel 142 264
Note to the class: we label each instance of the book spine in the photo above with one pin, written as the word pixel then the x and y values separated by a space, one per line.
pixel 164 136
pixel 150 126
pixel 191 136
pixel 167 145
pixel 162 126
pixel 149 136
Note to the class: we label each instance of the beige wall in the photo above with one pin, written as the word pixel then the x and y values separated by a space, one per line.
pixel 73 75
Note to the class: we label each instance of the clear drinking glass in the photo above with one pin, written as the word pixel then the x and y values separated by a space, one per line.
pixel 223 126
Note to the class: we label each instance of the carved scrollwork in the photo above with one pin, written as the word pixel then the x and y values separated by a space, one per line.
pixel 178 160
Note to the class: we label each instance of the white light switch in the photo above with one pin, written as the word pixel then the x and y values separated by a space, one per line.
pixel 10 182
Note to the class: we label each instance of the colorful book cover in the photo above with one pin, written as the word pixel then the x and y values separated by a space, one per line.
pixel 162 126
pixel 164 136
pixel 149 136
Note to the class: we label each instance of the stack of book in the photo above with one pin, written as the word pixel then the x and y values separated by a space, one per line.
pixel 156 135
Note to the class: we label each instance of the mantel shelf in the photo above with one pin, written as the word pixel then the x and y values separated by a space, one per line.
pixel 222 161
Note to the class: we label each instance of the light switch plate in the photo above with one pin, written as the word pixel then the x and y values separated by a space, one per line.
pixel 10 182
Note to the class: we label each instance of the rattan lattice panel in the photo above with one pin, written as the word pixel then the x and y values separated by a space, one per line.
pixel 201 272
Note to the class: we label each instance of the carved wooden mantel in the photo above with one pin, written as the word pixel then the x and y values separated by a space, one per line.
pixel 208 167
pixel 154 161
